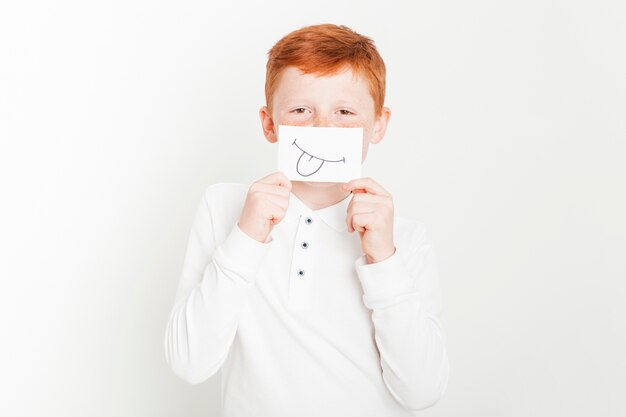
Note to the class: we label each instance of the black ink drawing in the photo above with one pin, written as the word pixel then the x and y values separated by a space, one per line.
pixel 307 165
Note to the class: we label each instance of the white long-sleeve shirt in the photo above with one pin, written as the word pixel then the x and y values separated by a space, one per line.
pixel 301 325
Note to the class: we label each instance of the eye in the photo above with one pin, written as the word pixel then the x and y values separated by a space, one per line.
pixel 345 112
pixel 299 110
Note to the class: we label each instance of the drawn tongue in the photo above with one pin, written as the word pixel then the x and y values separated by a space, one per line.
pixel 308 165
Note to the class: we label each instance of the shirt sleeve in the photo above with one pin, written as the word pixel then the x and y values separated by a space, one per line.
pixel 216 278
pixel 404 295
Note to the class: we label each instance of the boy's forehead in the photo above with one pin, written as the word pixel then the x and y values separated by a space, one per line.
pixel 345 71
pixel 293 80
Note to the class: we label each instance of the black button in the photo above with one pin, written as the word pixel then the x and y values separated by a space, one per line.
pixel 304 245
pixel 301 272
pixel 308 220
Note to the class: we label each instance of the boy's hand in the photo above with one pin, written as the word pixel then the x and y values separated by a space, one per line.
pixel 371 213
pixel 265 205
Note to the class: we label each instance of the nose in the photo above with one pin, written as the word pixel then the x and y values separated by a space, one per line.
pixel 321 121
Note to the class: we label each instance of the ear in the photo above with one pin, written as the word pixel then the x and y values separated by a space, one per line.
pixel 380 125
pixel 267 124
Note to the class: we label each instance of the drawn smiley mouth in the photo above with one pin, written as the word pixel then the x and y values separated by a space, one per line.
pixel 308 164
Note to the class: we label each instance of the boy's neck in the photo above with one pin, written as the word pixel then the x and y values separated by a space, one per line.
pixel 318 197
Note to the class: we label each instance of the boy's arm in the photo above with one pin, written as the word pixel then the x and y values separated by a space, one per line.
pixel 212 291
pixel 404 295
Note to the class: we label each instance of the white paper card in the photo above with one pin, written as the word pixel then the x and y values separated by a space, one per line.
pixel 327 154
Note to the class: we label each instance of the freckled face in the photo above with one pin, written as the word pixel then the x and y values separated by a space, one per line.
pixel 339 100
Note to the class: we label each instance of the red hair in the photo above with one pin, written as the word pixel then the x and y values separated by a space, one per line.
pixel 324 50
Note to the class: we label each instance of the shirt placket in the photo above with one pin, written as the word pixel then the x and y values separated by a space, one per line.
pixel 303 267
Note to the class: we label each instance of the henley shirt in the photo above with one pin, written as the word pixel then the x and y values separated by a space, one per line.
pixel 300 324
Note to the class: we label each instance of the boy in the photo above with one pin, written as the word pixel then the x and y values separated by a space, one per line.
pixel 304 316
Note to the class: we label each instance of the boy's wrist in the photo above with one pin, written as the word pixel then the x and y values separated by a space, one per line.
pixel 253 236
pixel 380 256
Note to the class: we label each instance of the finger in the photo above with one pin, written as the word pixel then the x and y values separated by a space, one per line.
pixel 366 202
pixel 260 193
pixel 369 198
pixel 275 200
pixel 272 189
pixel 277 178
pixel 352 225
pixel 363 221
pixel 366 184
pixel 273 212
pixel 361 206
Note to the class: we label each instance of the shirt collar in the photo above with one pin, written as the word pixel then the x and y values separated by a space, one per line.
pixel 334 215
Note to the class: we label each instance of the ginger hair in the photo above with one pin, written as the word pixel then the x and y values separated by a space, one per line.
pixel 326 49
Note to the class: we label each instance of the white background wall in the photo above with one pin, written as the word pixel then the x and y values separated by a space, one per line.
pixel 507 137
